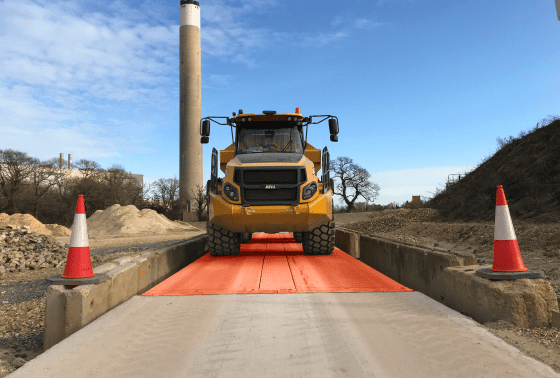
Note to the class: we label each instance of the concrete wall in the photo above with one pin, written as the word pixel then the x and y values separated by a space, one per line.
pixel 68 310
pixel 448 277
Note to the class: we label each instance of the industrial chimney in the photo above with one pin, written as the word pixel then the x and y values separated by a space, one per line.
pixel 61 160
pixel 190 109
pixel 69 161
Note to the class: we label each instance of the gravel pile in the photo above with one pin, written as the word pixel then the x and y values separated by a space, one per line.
pixel 23 249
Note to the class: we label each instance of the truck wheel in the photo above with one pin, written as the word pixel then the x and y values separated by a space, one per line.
pixel 298 236
pixel 246 237
pixel 320 240
pixel 222 242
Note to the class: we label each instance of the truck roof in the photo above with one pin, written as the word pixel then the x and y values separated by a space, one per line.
pixel 265 117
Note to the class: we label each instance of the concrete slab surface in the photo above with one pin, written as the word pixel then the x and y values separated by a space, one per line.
pixel 322 335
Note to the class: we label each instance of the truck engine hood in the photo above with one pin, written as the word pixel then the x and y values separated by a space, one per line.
pixel 269 157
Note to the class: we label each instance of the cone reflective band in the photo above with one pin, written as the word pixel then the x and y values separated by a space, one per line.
pixel 507 257
pixel 78 263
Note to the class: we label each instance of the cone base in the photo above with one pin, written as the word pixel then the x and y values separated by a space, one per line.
pixel 507 257
pixel 58 280
pixel 78 263
pixel 489 274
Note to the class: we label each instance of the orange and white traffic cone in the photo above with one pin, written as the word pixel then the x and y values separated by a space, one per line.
pixel 78 263
pixel 507 263
pixel 78 270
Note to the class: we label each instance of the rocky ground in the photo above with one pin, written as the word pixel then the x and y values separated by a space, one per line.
pixel 31 251
pixel 38 256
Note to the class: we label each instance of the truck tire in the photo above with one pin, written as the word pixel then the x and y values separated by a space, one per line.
pixel 246 237
pixel 298 236
pixel 222 242
pixel 320 240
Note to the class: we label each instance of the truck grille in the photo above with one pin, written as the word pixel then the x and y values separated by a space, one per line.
pixel 266 186
pixel 271 195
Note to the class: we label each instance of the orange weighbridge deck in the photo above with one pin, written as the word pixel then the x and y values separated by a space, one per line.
pixel 275 263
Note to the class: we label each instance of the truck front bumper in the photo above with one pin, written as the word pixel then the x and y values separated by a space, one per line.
pixel 271 219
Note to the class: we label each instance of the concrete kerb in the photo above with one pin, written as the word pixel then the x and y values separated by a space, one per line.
pixel 68 310
pixel 449 277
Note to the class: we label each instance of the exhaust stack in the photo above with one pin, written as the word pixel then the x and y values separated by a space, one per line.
pixel 61 163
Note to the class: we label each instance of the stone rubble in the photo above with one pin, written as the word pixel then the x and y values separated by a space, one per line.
pixel 23 249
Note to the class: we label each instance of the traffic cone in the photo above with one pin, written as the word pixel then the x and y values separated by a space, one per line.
pixel 507 257
pixel 78 263
pixel 507 263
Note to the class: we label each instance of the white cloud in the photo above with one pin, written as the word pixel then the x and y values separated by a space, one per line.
pixel 63 66
pixel 324 39
pixel 215 81
pixel 364 23
pixel 225 34
pixel 336 21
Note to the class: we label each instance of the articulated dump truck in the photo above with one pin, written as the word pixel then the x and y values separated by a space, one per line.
pixel 271 183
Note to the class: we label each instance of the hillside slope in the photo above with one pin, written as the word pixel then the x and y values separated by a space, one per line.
pixel 529 170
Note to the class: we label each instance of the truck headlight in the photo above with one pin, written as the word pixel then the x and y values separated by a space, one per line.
pixel 231 192
pixel 309 190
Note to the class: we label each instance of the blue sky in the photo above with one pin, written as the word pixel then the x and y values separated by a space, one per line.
pixel 421 88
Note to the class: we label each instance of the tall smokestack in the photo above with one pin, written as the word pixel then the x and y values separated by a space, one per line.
pixel 61 160
pixel 190 148
pixel 69 161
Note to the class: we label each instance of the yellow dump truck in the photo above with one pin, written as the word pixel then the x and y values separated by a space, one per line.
pixel 271 183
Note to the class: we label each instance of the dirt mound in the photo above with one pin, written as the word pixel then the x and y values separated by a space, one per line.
pixel 58 230
pixel 24 220
pixel 529 170
pixel 119 220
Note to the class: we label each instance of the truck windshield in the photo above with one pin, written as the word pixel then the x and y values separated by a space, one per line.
pixel 286 140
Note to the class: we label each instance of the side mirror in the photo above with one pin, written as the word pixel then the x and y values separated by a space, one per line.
pixel 333 126
pixel 334 138
pixel 205 132
pixel 204 139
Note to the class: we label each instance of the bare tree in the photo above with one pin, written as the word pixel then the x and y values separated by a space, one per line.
pixel 139 196
pixel 16 168
pixel 167 191
pixel 43 177
pixel 353 178
pixel 55 162
pixel 199 200
pixel 122 187
pixel 88 168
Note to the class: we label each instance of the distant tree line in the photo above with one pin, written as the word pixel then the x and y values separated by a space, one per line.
pixel 40 188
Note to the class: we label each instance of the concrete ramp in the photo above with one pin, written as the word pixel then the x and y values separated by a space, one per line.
pixel 385 335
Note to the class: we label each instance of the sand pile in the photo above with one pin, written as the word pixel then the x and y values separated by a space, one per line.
pixel 20 220
pixel 119 220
